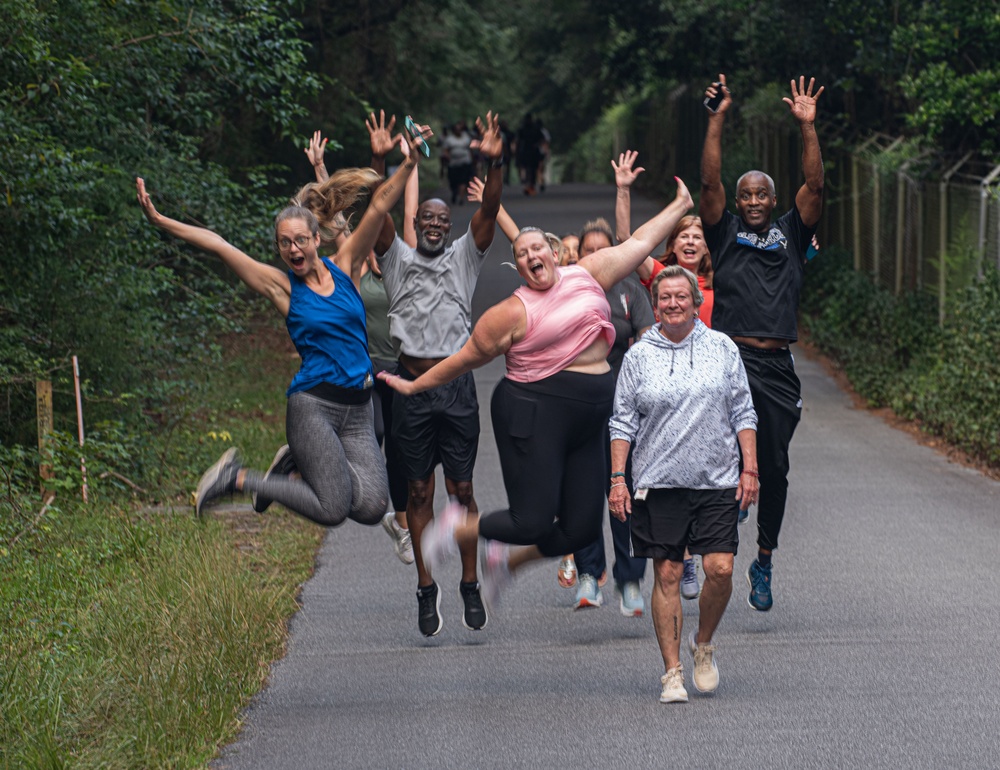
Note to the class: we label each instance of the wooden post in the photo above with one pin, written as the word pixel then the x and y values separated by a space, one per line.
pixel 79 425
pixel 43 408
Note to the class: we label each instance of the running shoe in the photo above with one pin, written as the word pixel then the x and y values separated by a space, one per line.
pixel 281 465
pixel 429 610
pixel 632 604
pixel 218 480
pixel 689 581
pixel 400 537
pixel 673 686
pixel 706 670
pixel 437 541
pixel 759 579
pixel 475 616
pixel 588 594
pixel 603 579
pixel 567 572
pixel 494 569
pixel 744 516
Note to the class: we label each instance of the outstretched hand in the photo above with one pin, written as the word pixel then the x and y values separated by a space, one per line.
pixel 146 202
pixel 475 190
pixel 381 136
pixel 727 97
pixel 683 194
pixel 803 101
pixel 491 144
pixel 397 383
pixel 316 149
pixel 625 175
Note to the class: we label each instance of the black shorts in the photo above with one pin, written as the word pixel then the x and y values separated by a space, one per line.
pixel 670 520
pixel 438 425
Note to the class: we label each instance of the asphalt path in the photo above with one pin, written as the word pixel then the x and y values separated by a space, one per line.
pixel 878 651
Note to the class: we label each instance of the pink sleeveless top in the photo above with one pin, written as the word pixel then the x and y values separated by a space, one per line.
pixel 562 322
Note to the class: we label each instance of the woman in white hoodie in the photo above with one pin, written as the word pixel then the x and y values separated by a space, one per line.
pixel 682 399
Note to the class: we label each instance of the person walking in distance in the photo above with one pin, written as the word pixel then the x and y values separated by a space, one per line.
pixel 758 276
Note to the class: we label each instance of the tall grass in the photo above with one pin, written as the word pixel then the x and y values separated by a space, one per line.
pixel 132 636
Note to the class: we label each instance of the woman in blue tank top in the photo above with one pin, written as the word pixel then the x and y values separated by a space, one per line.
pixel 329 421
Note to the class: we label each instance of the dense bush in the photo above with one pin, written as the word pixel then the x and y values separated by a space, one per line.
pixel 895 353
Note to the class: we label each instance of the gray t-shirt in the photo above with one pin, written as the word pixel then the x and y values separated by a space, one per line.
pixel 430 298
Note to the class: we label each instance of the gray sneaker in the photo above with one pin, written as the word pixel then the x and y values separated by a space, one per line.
pixel 632 604
pixel 282 465
pixel 218 480
pixel 588 594
pixel 689 581
pixel 400 537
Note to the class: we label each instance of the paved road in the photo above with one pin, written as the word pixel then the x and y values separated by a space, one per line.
pixel 878 652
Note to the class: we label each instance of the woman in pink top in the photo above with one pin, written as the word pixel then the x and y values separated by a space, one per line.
pixel 549 412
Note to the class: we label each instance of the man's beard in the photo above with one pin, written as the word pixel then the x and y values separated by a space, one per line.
pixel 424 247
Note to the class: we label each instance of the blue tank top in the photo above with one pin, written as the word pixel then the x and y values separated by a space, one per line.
pixel 329 334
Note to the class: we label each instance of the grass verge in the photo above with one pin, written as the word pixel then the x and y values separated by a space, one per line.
pixel 133 636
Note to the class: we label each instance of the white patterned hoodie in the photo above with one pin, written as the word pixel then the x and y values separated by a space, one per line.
pixel 681 405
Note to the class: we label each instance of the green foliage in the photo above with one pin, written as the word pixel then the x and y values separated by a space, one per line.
pixel 953 75
pixel 895 354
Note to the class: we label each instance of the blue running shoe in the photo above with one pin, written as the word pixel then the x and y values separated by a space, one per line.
pixel 759 579
pixel 743 516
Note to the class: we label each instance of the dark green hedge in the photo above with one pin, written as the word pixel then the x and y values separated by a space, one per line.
pixel 895 353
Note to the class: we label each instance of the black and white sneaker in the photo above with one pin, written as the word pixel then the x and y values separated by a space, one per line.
pixel 218 480
pixel 282 465
pixel 475 616
pixel 429 610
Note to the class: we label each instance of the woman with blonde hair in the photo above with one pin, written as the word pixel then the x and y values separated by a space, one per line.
pixel 329 421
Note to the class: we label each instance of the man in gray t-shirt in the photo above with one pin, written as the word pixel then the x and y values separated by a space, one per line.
pixel 430 291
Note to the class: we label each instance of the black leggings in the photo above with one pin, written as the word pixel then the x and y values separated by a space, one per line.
pixel 550 435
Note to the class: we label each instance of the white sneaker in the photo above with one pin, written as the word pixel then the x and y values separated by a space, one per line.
pixel 437 541
pixel 494 571
pixel 632 604
pixel 706 670
pixel 400 537
pixel 689 581
pixel 567 572
pixel 673 686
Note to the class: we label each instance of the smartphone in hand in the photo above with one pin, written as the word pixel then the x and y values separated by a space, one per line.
pixel 713 102
pixel 411 128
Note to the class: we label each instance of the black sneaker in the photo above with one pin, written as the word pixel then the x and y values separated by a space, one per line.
pixel 429 610
pixel 475 615
pixel 282 465
pixel 218 480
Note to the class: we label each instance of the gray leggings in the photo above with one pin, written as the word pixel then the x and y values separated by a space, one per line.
pixel 334 448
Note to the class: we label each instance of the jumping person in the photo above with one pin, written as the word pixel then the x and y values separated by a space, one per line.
pixel 550 412
pixel 758 276
pixel 430 291
pixel 329 421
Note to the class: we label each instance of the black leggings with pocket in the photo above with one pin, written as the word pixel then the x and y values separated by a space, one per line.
pixel 550 435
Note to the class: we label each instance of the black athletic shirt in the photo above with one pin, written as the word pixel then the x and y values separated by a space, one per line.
pixel 758 277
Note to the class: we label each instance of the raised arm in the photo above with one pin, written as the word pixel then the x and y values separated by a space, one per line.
pixel 504 221
pixel 498 328
pixel 809 199
pixel 610 265
pixel 713 194
pixel 316 152
pixel 625 177
pixel 371 228
pixel 268 281
pixel 381 137
pixel 491 148
pixel 411 202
